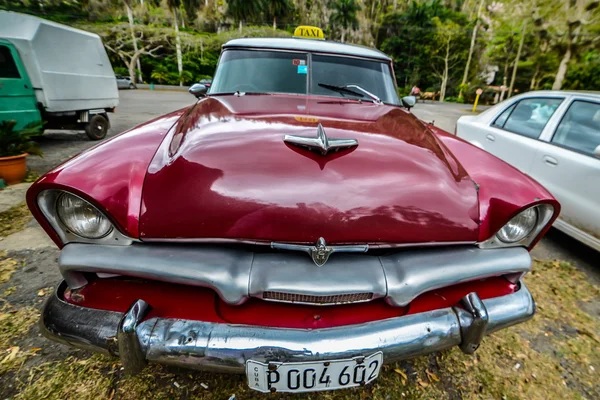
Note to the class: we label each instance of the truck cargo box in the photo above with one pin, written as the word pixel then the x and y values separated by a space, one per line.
pixel 68 68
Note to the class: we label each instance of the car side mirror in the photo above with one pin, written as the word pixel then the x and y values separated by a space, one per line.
pixel 409 101
pixel 198 90
pixel 597 151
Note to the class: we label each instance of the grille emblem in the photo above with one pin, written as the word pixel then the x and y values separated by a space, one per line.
pixel 321 143
pixel 320 252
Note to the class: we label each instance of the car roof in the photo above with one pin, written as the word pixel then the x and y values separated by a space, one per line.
pixel 310 45
pixel 536 93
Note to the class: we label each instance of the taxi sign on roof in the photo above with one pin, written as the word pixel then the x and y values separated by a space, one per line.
pixel 309 32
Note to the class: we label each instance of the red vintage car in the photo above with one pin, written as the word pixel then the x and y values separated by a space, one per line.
pixel 297 224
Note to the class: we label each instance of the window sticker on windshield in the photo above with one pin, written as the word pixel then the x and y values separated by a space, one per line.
pixel 302 69
pixel 297 61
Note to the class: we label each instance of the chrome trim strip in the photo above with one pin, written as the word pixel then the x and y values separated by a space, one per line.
pixel 372 246
pixel 221 347
pixel 237 274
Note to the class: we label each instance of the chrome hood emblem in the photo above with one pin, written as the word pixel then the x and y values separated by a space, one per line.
pixel 321 143
pixel 320 252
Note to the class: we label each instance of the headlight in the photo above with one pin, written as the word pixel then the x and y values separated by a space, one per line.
pixel 82 218
pixel 519 226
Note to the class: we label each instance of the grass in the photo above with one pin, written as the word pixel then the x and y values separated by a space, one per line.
pixel 554 355
pixel 14 219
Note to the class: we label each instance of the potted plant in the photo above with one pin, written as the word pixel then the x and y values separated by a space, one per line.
pixel 15 146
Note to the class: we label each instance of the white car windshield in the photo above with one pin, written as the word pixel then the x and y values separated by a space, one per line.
pixel 266 71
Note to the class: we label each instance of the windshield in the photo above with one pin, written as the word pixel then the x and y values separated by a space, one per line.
pixel 264 71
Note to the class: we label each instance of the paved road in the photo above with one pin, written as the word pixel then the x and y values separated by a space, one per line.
pixel 141 105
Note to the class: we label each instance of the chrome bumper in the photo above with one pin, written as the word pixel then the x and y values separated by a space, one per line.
pixel 223 347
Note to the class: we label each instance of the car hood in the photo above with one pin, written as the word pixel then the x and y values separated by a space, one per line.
pixel 224 172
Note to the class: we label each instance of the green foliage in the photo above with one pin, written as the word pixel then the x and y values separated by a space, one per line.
pixel 416 37
pixel 413 32
pixel 344 13
pixel 245 10
pixel 16 142
pixel 585 75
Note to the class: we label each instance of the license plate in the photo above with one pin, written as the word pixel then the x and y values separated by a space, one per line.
pixel 313 376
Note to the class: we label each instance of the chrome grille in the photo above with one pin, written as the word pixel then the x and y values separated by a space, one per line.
pixel 319 300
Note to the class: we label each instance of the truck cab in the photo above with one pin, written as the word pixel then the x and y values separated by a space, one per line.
pixel 17 97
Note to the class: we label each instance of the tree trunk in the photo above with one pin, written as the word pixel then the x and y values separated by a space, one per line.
pixel 504 81
pixel 274 23
pixel 132 63
pixel 240 26
pixel 561 74
pixel 135 46
pixel 343 35
pixel 563 67
pixel 178 48
pixel 514 72
pixel 471 49
pixel 534 77
pixel 445 74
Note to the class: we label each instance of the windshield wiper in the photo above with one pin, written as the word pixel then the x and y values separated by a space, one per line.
pixel 348 89
pixel 376 99
pixel 340 89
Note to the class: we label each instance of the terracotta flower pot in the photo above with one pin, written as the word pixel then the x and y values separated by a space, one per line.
pixel 13 169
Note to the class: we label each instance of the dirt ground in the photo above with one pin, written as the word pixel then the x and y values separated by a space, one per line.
pixel 555 355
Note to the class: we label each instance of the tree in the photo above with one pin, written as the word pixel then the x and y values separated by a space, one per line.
pixel 120 42
pixel 278 8
pixel 133 38
pixel 576 17
pixel 244 10
pixel 473 37
pixel 517 58
pixel 447 49
pixel 344 14
pixel 174 6
pixel 407 36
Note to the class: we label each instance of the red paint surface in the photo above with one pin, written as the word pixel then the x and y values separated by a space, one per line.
pixel 224 171
pixel 503 190
pixel 186 302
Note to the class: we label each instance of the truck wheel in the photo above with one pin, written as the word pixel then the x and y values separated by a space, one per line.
pixel 97 127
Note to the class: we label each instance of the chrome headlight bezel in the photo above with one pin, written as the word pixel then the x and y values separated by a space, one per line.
pixel 48 202
pixel 544 213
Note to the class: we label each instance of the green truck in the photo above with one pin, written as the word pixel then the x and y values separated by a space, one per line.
pixel 55 75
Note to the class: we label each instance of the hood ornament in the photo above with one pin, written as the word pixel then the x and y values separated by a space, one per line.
pixel 321 143
pixel 320 252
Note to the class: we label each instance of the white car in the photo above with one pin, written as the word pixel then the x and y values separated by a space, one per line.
pixel 554 137
pixel 124 82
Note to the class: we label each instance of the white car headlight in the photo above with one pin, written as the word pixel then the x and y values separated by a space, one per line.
pixel 82 218
pixel 519 227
